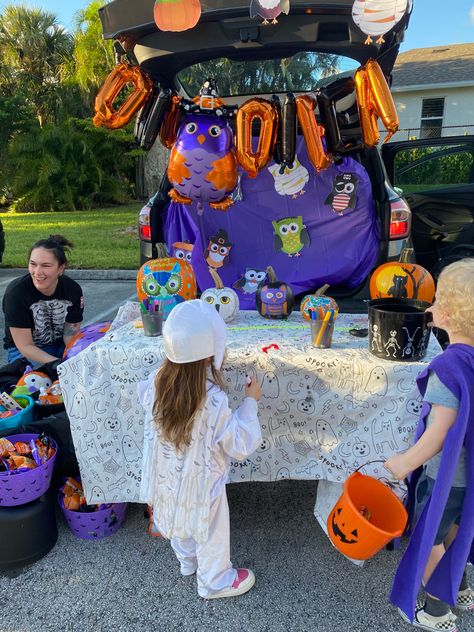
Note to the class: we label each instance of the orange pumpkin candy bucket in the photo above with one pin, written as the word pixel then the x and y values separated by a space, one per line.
pixel 365 518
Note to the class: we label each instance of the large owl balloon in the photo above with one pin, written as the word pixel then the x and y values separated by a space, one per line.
pixel 165 282
pixel 202 165
pixel 377 17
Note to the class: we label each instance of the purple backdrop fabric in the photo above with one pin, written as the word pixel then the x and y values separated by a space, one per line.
pixel 326 229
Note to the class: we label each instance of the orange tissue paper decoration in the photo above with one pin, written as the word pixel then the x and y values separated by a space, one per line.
pixel 312 132
pixel 121 75
pixel 176 15
pixel 254 161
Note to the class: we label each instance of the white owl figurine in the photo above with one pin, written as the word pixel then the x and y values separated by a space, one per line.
pixel 292 180
pixel 377 17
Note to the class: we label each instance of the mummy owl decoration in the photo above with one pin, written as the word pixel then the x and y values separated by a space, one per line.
pixel 269 10
pixel 343 195
pixel 202 166
pixel 377 17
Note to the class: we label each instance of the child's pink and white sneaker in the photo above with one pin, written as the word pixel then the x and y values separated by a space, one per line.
pixel 243 582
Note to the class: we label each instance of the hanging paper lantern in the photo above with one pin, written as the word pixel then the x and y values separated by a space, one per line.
pixel 224 299
pixel 165 283
pixel 254 161
pixel 85 337
pixel 274 298
pixel 377 17
pixel 318 301
pixel 397 279
pixel 121 75
pixel 176 15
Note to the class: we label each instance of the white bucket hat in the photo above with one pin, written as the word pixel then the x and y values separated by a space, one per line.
pixel 194 331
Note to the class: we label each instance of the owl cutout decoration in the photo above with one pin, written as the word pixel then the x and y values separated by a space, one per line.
pixel 377 17
pixel 183 250
pixel 166 282
pixel 223 299
pixel 291 235
pixel 343 195
pixel 274 298
pixel 249 282
pixel 218 249
pixel 291 181
pixel 269 10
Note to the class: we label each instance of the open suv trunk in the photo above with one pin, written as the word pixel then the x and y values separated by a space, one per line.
pixel 336 250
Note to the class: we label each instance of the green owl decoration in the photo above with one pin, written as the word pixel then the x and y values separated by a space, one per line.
pixel 291 235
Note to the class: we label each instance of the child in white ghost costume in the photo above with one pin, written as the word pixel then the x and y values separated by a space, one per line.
pixel 187 479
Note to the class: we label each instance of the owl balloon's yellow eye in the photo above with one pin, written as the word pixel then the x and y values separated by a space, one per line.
pixel 191 128
pixel 215 131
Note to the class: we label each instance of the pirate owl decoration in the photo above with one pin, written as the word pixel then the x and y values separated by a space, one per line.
pixel 343 195
pixel 269 10
pixel 377 17
pixel 202 166
pixel 291 235
pixel 274 298
pixel 224 299
pixel 165 282
pixel 218 249
pixel 250 281
pixel 293 179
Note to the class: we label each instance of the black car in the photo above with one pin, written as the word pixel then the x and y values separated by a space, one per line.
pixel 316 45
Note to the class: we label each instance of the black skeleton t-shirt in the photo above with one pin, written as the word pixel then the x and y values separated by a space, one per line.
pixel 26 308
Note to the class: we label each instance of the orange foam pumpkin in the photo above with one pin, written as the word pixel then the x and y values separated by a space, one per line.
pixel 318 300
pixel 398 279
pixel 165 282
pixel 176 15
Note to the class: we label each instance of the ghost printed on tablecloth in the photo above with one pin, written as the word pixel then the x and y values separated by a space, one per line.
pixel 325 435
pixel 377 382
pixel 130 449
pixel 283 474
pixel 117 355
pixel 293 179
pixel 270 385
pixel 97 496
pixel 79 406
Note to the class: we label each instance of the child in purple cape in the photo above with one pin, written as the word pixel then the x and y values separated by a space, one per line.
pixel 442 462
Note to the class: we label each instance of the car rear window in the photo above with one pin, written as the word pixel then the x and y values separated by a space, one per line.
pixel 299 73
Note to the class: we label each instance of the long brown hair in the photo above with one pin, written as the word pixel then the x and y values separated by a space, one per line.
pixel 180 390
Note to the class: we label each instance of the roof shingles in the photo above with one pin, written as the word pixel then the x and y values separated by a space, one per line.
pixel 440 64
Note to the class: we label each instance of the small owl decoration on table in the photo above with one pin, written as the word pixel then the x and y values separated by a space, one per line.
pixel 291 235
pixel 274 299
pixel 269 10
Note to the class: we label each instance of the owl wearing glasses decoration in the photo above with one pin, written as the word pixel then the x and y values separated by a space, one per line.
pixel 202 166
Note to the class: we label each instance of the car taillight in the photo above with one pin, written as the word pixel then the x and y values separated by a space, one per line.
pixel 144 227
pixel 400 219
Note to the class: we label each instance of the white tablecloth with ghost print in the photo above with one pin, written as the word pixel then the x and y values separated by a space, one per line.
pixel 323 413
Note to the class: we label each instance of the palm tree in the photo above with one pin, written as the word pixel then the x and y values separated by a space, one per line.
pixel 33 51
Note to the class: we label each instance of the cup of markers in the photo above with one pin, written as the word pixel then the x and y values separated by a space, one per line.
pixel 152 317
pixel 322 326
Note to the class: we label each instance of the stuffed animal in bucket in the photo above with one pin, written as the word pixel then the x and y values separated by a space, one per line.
pixel 31 382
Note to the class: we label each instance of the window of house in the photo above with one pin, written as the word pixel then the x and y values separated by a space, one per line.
pixel 432 112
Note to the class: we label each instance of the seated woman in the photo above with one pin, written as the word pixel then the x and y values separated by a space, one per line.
pixel 43 309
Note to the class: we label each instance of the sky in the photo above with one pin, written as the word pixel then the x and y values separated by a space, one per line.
pixel 433 22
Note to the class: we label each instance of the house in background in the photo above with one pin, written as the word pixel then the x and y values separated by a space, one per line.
pixel 433 89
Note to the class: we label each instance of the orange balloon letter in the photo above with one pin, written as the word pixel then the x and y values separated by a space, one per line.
pixel 312 132
pixel 253 161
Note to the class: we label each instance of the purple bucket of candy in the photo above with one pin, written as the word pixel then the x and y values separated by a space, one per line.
pixel 18 487
pixel 94 525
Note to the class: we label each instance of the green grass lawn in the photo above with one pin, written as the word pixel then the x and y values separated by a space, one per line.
pixel 102 238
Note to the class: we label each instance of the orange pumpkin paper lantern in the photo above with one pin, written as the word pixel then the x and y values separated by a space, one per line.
pixel 317 301
pixel 176 15
pixel 121 75
pixel 398 279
